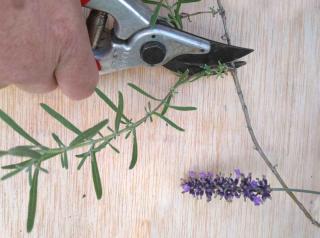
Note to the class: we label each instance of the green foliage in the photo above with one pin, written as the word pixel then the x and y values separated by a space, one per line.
pixel 179 108
pixel 32 200
pixel 82 162
pixel 60 118
pixel 17 128
pixel 171 123
pixel 166 105
pixel 119 112
pixel 88 134
pixel 173 11
pixel 135 87
pixel 155 15
pixel 24 151
pixel 109 102
pixel 134 150
pixel 10 174
pixel 64 156
pixel 3 153
pixel 220 70
pixel 96 175
pixel 18 165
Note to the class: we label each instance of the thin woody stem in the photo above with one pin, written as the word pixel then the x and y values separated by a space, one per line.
pixel 296 190
pixel 189 15
pixel 251 131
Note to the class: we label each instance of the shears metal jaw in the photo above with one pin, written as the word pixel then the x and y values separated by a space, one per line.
pixel 134 42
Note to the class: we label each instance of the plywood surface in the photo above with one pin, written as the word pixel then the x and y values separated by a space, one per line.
pixel 282 88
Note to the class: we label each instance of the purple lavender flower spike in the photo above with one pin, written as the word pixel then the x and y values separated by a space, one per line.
pixel 257 201
pixel 186 188
pixel 254 184
pixel 238 173
pixel 227 188
pixel 210 174
pixel 203 175
pixel 192 174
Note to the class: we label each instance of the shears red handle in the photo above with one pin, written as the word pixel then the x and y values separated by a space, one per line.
pixel 84 2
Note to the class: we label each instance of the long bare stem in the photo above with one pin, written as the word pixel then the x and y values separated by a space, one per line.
pixel 250 129
pixel 189 15
pixel 296 190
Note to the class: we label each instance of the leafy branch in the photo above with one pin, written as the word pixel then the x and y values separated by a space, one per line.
pixel 92 138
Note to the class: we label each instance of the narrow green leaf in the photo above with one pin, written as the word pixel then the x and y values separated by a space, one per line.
pixel 127 135
pixel 183 77
pixel 189 1
pixel 100 134
pixel 85 154
pixel 167 120
pixel 177 15
pixel 62 161
pixel 9 175
pixel 49 155
pixel 155 14
pixel 32 200
pixel 64 156
pixel 134 150
pixel 135 87
pixel 57 139
pixel 166 105
pixel 91 132
pixel 60 118
pixel 24 151
pixel 102 145
pixel 150 2
pixel 96 176
pixel 82 162
pixel 43 169
pixel 110 129
pixel 2 153
pixel 119 112
pixel 61 145
pixel 114 148
pixel 65 160
pixel 156 3
pixel 17 128
pixel 108 101
pixel 22 164
pixel 179 108
pixel 30 175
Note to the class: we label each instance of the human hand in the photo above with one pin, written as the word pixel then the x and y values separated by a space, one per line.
pixel 44 44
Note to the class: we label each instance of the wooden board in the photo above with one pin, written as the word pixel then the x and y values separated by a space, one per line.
pixel 282 89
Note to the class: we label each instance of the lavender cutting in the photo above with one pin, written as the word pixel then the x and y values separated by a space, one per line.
pixel 200 184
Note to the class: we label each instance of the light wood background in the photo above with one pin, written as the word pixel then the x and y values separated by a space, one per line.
pixel 281 84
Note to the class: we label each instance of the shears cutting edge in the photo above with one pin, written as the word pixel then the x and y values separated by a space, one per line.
pixel 133 41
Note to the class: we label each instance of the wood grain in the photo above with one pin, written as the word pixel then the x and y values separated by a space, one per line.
pixel 282 89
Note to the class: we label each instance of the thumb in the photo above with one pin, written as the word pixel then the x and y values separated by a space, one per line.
pixel 77 73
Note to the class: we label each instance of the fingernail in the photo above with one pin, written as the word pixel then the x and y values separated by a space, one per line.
pixel 84 2
pixel 98 65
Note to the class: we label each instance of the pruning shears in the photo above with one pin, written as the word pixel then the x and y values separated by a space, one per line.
pixel 134 40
